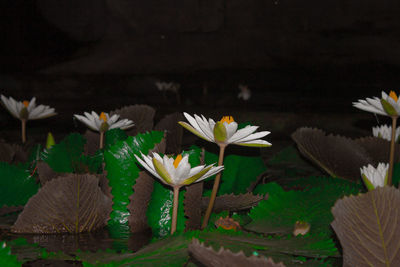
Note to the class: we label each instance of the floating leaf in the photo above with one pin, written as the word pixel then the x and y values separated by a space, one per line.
pixel 174 131
pixel 239 172
pixel 141 115
pixel 209 257
pixel 6 258
pixel 62 156
pixel 16 185
pixel 337 155
pixel 280 212
pixel 70 204
pixel 368 229
pixel 307 183
pixel 232 202
pixel 123 172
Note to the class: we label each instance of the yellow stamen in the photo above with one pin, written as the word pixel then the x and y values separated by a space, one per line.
pixel 227 119
pixel 26 103
pixel 177 160
pixel 103 117
pixel 393 95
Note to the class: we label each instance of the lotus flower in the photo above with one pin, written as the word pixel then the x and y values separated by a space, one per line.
pixel 225 131
pixel 374 177
pixel 385 132
pixel 26 110
pixel 176 173
pixel 388 105
pixel 103 123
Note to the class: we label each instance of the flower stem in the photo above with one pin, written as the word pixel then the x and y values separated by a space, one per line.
pixel 215 188
pixel 392 148
pixel 175 209
pixel 101 139
pixel 23 130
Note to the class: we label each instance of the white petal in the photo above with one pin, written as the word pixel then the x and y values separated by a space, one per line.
pixel 195 125
pixel 255 142
pixel 242 133
pixel 87 122
pixel 254 136
pixel 230 129
pixel 32 104
pixel 150 168
pixel 204 126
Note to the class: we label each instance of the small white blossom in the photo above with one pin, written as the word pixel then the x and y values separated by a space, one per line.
pixel 374 177
pixel 176 172
pixel 225 131
pixel 168 86
pixel 245 92
pixel 27 110
pixel 385 132
pixel 103 122
pixel 388 105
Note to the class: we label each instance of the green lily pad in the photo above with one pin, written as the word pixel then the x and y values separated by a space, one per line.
pixel 112 136
pixel 123 172
pixel 280 212
pixel 63 156
pixel 16 185
pixel 239 172
pixel 6 258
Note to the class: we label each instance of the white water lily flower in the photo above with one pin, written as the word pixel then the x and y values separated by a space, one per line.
pixel 225 131
pixel 176 172
pixel 385 132
pixel 388 105
pixel 27 110
pixel 104 122
pixel 374 177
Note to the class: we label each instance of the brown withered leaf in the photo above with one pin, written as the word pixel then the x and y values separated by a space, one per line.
pixel 232 202
pixel 103 183
pixel 45 172
pixel 141 115
pixel 92 142
pixel 193 205
pixel 368 227
pixel 160 147
pixel 337 155
pixel 378 148
pixel 69 204
pixel 140 199
pixel 174 131
pixel 224 257
pixel 6 209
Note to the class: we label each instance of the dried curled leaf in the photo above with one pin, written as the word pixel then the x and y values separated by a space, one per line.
pixel 368 227
pixel 224 257
pixel 69 204
pixel 140 200
pixel 92 142
pixel 141 115
pixel 378 148
pixel 337 155
pixel 6 210
pixel 232 202
pixel 193 205
pixel 174 131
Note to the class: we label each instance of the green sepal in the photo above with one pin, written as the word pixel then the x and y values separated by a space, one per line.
pixel 160 169
pixel 50 140
pixel 24 114
pixel 219 132
pixel 390 110
pixel 104 127
pixel 195 177
pixel 367 183
pixel 192 130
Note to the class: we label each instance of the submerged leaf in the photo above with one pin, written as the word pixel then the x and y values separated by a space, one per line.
pixel 16 185
pixel 337 155
pixel 69 204
pixel 141 115
pixel 224 257
pixel 368 228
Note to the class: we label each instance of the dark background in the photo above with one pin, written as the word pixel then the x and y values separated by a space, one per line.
pixel 296 56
